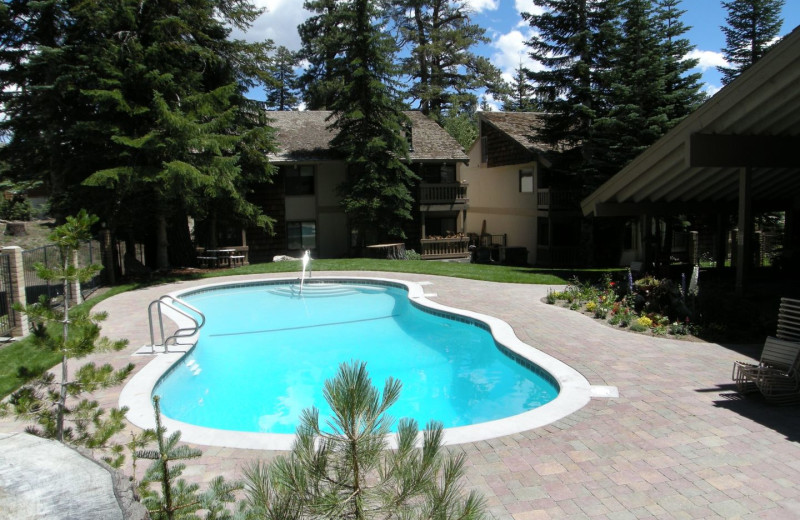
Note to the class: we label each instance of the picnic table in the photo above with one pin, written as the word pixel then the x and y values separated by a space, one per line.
pixel 216 258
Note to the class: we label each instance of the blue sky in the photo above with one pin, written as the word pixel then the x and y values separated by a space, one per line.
pixel 503 24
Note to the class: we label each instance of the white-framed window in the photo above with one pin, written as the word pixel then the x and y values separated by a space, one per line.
pixel 526 181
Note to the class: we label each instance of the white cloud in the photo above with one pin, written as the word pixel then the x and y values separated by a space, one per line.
pixel 511 51
pixel 525 6
pixel 278 23
pixel 710 90
pixel 707 59
pixel 482 5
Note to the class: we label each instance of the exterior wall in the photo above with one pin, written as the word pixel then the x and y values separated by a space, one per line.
pixel 332 236
pixel 494 197
pixel 322 208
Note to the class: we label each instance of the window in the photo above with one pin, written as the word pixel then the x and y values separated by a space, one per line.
pixel 299 180
pixel 301 235
pixel 526 181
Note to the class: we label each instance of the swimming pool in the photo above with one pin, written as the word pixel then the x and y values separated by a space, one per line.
pixel 481 381
pixel 266 350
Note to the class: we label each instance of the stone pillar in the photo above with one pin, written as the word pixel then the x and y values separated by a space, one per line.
pixel 17 289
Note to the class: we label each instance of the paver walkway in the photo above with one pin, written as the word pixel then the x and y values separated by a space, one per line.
pixel 677 443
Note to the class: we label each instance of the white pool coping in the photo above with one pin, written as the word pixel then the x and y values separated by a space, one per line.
pixel 574 390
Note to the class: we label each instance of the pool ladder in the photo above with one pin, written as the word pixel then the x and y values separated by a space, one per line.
pixel 186 329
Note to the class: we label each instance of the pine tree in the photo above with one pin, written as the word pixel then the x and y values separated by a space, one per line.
pixel 438 36
pixel 573 40
pixel 322 39
pixel 347 471
pixel 177 499
pixel 372 133
pixel 752 26
pixel 638 114
pixel 462 125
pixel 682 88
pixel 282 88
pixel 521 97
pixel 136 104
pixel 57 406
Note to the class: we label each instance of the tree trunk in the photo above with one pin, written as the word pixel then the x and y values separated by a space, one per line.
pixel 162 244
pixel 16 229
pixel 181 249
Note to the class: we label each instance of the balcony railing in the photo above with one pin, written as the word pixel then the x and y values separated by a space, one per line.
pixel 548 198
pixel 444 248
pixel 450 193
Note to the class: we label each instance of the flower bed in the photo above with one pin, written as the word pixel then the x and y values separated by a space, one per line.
pixel 647 305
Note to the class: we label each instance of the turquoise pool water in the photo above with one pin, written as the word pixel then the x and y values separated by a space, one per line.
pixel 265 351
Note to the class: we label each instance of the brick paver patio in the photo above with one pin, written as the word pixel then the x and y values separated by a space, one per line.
pixel 678 442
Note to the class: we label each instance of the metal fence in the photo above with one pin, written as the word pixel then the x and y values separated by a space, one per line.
pixel 6 316
pixel 50 257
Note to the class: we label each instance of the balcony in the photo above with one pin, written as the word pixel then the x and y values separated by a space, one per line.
pixel 448 193
pixel 557 199
pixel 436 248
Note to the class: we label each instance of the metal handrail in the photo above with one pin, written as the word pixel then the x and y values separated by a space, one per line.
pixel 168 300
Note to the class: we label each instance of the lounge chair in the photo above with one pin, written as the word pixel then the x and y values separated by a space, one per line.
pixel 779 387
pixel 777 357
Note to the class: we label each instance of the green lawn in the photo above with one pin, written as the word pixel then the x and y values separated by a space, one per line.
pixel 22 359
pixel 489 273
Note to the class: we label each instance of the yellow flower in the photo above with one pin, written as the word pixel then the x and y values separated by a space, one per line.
pixel 644 321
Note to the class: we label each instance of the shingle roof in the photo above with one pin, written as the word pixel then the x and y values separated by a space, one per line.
pixel 431 142
pixel 301 136
pixel 304 136
pixel 519 126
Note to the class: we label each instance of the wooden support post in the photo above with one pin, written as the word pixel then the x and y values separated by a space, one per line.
pixel 744 245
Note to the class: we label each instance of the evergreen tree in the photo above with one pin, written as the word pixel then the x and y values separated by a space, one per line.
pixel 752 26
pixel 52 403
pixel 138 105
pixel 347 471
pixel 681 87
pixel 321 35
pixel 177 499
pixel 521 97
pixel 282 86
pixel 443 72
pixel 372 133
pixel 573 39
pixel 462 125
pixel 638 114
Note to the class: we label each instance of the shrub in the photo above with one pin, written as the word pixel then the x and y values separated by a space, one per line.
pixel 601 312
pixel 638 327
pixel 645 322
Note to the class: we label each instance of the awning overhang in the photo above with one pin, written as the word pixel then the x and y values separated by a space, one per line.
pixel 753 122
